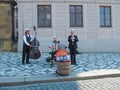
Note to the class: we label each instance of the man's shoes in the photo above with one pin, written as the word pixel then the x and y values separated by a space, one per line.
pixel 28 62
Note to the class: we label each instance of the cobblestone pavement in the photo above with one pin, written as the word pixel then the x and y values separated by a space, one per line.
pixel 11 66
pixel 94 84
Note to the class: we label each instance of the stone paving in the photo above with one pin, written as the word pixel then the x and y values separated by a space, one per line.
pixel 11 66
pixel 88 64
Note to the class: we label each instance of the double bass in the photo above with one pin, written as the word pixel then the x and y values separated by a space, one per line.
pixel 34 50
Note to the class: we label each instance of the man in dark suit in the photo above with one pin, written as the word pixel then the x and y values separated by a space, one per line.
pixel 72 39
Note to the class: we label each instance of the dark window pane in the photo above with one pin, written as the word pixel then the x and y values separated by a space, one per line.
pixel 102 22
pixel 48 23
pixel 72 23
pixel 72 16
pixel 41 10
pixel 78 9
pixel 41 16
pixel 76 16
pixel 41 23
pixel 72 9
pixel 44 16
pixel 79 23
pixel 48 10
pixel 107 22
pixel 107 10
pixel 101 10
pixel 101 16
pixel 79 16
pixel 105 16
pixel 108 16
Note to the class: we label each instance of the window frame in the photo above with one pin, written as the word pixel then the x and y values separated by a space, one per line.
pixel 45 14
pixel 81 14
pixel 104 14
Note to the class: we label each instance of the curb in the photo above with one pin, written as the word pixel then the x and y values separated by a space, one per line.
pixel 14 81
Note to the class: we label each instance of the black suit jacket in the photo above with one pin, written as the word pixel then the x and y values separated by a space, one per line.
pixel 72 44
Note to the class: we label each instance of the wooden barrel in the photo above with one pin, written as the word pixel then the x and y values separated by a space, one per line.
pixel 63 67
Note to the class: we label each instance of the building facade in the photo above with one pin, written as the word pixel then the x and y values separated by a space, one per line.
pixel 7 37
pixel 96 22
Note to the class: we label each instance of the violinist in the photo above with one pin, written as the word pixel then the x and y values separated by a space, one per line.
pixel 27 38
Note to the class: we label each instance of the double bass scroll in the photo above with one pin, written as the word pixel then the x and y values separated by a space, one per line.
pixel 34 50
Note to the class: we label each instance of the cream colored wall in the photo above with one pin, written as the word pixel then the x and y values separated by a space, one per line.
pixel 92 38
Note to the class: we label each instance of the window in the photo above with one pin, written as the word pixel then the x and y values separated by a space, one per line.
pixel 44 15
pixel 76 16
pixel 105 16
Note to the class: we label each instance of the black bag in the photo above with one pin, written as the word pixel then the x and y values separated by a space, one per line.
pixel 48 59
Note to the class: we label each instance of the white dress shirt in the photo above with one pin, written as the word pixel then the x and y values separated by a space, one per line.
pixel 25 40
